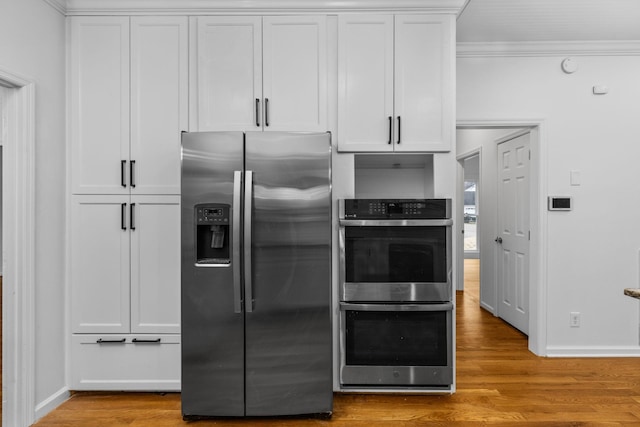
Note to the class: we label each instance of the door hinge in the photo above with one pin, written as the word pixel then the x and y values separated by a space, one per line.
pixel 529 154
pixel 529 234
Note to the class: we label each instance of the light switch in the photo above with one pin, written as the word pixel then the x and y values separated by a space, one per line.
pixel 575 178
pixel 600 90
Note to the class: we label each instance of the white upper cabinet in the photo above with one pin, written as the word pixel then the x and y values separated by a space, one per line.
pixel 129 95
pixel 365 82
pixel 228 72
pixel 295 73
pixel 254 73
pixel 159 102
pixel 396 83
pixel 99 81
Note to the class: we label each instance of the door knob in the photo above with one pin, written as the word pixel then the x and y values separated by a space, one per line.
pixel 498 240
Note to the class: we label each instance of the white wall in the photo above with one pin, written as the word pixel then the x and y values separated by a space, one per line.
pixel 32 46
pixel 1 169
pixel 591 252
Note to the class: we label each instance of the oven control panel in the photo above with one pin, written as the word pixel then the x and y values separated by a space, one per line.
pixel 396 209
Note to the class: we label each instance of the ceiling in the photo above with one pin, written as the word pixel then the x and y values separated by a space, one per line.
pixel 495 21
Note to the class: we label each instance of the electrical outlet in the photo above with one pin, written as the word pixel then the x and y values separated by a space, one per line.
pixel 574 319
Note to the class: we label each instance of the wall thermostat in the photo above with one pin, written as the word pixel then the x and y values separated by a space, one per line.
pixel 559 203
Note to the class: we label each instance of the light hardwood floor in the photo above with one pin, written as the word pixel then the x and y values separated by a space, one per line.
pixel 499 382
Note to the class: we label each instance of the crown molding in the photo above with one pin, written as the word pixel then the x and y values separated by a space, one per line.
pixel 208 7
pixel 59 5
pixel 523 49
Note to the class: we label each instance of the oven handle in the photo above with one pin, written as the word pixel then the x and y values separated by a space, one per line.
pixel 395 222
pixel 344 306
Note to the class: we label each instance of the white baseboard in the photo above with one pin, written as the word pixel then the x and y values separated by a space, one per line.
pixel 488 308
pixel 52 402
pixel 595 351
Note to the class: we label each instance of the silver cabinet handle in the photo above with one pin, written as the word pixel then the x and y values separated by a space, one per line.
pixel 235 233
pixel 399 128
pixel 248 207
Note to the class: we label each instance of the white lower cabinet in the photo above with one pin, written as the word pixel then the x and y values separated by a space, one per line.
pixel 125 292
pixel 125 362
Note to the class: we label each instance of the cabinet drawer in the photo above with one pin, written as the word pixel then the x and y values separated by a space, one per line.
pixel 125 362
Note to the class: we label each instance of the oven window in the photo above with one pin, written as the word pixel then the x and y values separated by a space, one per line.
pixel 391 338
pixel 396 254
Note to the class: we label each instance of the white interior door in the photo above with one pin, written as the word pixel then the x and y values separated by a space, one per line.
pixel 513 232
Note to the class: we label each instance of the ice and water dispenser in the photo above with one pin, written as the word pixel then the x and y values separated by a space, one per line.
pixel 213 222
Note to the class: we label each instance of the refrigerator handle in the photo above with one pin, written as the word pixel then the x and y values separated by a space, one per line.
pixel 248 207
pixel 235 227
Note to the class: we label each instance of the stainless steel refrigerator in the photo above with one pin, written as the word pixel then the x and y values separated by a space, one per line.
pixel 256 274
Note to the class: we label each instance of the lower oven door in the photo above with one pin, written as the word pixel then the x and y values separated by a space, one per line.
pixel 396 345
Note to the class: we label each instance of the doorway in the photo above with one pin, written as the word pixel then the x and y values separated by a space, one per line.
pixel 18 247
pixel 471 205
pixel 482 138
pixel 469 177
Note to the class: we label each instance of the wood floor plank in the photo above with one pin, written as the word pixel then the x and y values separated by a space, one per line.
pixel 499 383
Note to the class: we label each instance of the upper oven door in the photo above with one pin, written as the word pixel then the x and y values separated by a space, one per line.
pixel 392 260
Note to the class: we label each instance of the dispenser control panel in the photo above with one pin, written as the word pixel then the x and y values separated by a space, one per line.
pixel 212 239
pixel 212 215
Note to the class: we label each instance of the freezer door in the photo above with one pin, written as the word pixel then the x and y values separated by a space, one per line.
pixel 212 319
pixel 288 324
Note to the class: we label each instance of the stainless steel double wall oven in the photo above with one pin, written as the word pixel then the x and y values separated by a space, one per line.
pixel 396 306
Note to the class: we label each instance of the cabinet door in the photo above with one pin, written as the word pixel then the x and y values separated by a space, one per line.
pixel 365 82
pixel 424 78
pixel 100 264
pixel 295 73
pixel 99 79
pixel 159 97
pixel 155 264
pixel 228 73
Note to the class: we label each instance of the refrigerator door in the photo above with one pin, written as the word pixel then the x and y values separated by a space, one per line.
pixel 288 324
pixel 212 319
